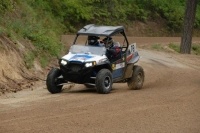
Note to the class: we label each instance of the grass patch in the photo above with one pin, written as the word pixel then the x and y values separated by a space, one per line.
pixel 196 49
pixel 175 47
pixel 44 60
pixel 1 31
pixel 29 59
pixel 157 46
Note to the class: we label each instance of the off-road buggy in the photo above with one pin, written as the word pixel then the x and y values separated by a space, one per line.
pixel 90 65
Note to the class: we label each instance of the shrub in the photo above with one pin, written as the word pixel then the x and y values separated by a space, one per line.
pixel 29 59
pixel 175 47
pixel 157 46
pixel 196 49
pixel 6 5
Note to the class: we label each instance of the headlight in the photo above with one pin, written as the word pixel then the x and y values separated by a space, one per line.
pixel 63 62
pixel 102 61
pixel 90 64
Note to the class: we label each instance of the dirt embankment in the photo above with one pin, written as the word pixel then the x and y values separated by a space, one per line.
pixel 13 72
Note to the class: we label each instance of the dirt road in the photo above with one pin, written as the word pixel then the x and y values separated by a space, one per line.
pixel 169 102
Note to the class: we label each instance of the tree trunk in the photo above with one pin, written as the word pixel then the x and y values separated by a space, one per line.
pixel 186 39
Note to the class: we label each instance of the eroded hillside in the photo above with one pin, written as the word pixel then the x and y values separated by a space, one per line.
pixel 14 74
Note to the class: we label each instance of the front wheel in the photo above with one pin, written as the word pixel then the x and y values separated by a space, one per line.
pixel 104 81
pixel 53 80
pixel 137 79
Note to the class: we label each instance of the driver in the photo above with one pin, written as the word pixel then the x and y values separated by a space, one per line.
pixel 94 41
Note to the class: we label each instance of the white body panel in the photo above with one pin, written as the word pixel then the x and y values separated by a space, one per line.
pixel 132 54
pixel 84 57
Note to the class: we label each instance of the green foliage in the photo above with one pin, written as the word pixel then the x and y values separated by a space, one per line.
pixel 196 49
pixel 73 14
pixel 46 44
pixel 114 12
pixel 6 5
pixel 29 59
pixel 197 20
pixel 157 46
pixel 175 47
pixel 1 31
pixel 44 60
pixel 171 10
pixel 33 20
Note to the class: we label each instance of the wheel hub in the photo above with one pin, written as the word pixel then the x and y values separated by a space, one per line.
pixel 139 78
pixel 107 82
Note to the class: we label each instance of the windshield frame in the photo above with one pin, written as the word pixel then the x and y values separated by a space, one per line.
pixel 87 49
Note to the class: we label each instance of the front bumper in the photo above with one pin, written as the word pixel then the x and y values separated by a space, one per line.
pixel 76 72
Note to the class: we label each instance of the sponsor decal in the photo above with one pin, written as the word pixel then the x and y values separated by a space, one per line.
pixel 120 65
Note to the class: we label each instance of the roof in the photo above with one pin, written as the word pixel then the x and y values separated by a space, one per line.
pixel 98 30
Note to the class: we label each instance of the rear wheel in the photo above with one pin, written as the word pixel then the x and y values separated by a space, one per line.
pixel 104 81
pixel 137 79
pixel 53 80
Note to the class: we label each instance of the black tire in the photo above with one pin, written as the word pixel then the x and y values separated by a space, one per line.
pixel 89 86
pixel 53 81
pixel 104 81
pixel 137 79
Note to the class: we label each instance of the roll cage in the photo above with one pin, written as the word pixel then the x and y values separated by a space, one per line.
pixel 107 31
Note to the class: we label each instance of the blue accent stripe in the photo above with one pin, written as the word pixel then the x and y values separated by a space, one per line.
pixel 82 57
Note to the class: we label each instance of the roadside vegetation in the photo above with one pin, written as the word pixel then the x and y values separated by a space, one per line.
pixel 31 22
pixel 42 22
pixel 175 47
pixel 194 50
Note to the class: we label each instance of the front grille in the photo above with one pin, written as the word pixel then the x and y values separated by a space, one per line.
pixel 76 72
pixel 75 67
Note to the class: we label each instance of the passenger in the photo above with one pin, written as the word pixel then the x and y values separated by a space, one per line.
pixel 114 50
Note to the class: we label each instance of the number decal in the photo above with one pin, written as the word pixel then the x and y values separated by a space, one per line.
pixel 132 48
